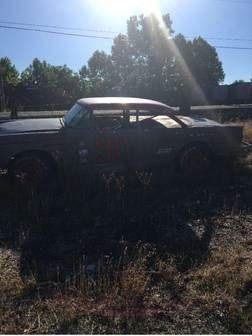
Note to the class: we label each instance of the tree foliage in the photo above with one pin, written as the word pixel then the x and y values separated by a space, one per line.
pixel 8 71
pixel 239 81
pixel 148 61
pixel 44 84
pixel 9 78
pixel 97 77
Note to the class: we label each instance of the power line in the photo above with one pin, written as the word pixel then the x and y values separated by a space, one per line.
pixel 110 31
pixel 232 47
pixel 96 36
pixel 57 27
pixel 223 38
pixel 56 32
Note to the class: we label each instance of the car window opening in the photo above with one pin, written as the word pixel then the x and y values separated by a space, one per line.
pixel 113 119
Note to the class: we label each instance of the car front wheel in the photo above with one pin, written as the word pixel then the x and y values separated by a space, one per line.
pixel 30 170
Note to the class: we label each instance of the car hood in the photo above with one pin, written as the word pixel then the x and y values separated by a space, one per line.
pixel 30 125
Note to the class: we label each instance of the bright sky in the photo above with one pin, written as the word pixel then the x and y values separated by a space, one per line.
pixel 208 18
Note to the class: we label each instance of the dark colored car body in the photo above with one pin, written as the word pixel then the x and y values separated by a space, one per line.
pixel 114 133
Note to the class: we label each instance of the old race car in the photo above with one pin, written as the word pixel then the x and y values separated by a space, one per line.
pixel 114 133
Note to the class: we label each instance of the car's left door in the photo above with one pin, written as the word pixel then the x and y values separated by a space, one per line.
pixel 114 140
pixel 102 141
pixel 158 138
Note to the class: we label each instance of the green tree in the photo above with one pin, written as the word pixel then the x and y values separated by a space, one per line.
pixel 140 56
pixel 97 78
pixel 48 86
pixel 67 82
pixel 39 73
pixel 133 67
pixel 9 78
pixel 149 62
pixel 9 73
pixel 237 81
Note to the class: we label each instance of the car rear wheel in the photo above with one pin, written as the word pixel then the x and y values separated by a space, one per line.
pixel 30 170
pixel 195 160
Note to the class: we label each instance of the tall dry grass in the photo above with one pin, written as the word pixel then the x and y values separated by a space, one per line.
pixel 127 257
pixel 248 131
pixel 142 293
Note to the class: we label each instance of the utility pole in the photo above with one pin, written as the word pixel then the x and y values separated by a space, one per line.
pixel 2 94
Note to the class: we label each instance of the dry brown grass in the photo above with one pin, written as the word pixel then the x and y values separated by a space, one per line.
pixel 27 307
pixel 248 137
pixel 145 293
pixel 148 287
pixel 248 131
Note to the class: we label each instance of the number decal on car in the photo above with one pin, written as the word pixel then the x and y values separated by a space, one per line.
pixel 111 147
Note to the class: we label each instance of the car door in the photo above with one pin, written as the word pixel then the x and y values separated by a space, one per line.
pixel 78 146
pixel 114 140
pixel 158 139
pixel 104 140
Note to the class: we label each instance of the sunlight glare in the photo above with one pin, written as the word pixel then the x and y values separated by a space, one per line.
pixel 120 8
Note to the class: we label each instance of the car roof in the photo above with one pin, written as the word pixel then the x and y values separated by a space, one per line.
pixel 116 102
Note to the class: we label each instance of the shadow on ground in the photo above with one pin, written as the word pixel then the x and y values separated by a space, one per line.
pixel 57 231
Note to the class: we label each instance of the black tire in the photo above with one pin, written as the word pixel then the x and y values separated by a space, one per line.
pixel 30 170
pixel 195 160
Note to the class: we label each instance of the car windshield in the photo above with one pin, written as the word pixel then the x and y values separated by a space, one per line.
pixel 75 114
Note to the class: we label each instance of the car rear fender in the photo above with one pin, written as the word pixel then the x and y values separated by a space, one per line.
pixel 199 144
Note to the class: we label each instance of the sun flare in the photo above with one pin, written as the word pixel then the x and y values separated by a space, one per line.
pixel 117 8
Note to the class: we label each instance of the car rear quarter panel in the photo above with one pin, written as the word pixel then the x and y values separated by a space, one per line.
pixel 221 140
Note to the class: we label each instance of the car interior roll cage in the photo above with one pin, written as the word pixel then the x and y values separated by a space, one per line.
pixel 127 111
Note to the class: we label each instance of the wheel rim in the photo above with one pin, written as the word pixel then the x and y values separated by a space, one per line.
pixel 195 161
pixel 29 171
